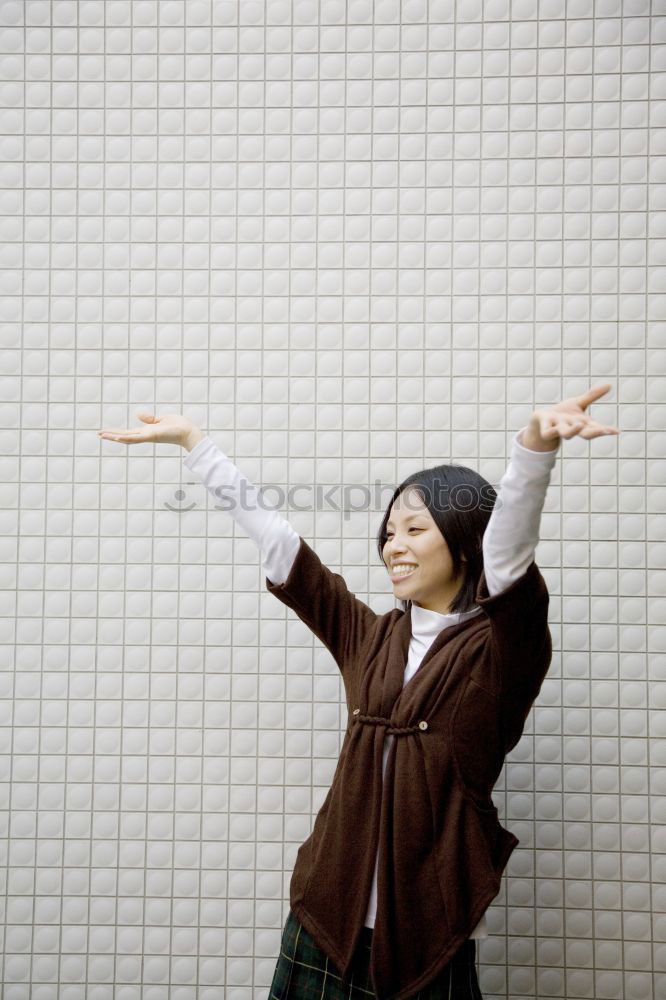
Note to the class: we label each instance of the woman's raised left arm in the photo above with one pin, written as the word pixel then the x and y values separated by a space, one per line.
pixel 512 533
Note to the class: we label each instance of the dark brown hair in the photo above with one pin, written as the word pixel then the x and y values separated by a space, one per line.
pixel 460 502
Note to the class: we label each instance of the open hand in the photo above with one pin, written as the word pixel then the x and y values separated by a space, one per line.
pixel 172 428
pixel 568 418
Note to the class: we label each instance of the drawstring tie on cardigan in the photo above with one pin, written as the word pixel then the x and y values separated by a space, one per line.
pixel 391 730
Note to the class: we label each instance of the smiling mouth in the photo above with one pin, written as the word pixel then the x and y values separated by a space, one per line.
pixel 396 577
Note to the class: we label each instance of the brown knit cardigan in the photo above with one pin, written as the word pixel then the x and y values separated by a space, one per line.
pixel 442 849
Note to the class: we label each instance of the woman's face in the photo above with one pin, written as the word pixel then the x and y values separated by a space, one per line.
pixel 414 540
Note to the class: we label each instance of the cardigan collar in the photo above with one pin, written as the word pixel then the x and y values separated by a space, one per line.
pixel 429 627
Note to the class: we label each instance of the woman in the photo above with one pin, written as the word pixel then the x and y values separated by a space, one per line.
pixel 389 893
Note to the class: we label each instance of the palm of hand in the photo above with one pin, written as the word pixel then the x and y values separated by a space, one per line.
pixel 171 428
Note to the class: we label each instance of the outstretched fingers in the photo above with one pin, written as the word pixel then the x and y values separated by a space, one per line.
pixel 594 429
pixel 592 394
pixel 568 427
pixel 126 434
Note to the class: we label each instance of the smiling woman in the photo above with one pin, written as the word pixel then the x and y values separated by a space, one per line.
pixel 389 892
pixel 430 538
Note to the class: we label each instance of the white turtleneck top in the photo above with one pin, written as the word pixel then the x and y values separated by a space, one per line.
pixel 509 544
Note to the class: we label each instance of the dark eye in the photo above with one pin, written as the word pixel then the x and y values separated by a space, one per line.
pixel 389 533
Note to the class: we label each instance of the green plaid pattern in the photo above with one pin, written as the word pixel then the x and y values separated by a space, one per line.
pixel 304 972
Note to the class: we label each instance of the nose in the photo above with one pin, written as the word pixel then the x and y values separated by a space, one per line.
pixel 393 550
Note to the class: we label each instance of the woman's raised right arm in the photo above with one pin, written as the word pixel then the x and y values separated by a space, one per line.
pixel 319 597
pixel 275 538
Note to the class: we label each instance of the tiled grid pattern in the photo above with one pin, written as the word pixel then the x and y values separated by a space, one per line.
pixel 349 240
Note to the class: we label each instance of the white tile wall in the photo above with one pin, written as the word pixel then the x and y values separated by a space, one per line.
pixel 349 240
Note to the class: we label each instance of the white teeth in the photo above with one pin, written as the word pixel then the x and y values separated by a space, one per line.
pixel 402 569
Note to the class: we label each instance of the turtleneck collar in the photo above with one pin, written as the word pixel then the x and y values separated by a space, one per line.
pixel 430 623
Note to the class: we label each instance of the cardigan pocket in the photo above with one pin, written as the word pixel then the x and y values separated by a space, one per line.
pixel 500 841
pixel 477 743
pixel 488 822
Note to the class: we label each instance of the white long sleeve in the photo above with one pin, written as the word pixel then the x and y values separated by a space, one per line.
pixel 277 541
pixel 512 532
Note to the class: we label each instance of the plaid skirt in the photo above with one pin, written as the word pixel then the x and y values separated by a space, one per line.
pixel 304 972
